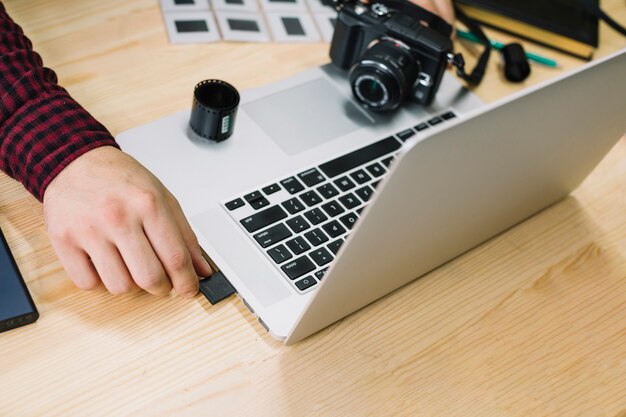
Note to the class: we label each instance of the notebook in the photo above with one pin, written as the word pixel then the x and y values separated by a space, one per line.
pixel 566 25
pixel 315 208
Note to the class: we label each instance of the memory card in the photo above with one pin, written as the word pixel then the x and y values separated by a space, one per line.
pixel 216 288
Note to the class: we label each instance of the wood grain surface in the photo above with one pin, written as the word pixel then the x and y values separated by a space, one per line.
pixel 531 323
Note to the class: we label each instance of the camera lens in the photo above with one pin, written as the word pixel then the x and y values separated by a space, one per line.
pixel 371 89
pixel 384 75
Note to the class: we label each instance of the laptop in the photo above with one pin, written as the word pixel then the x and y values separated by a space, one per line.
pixel 315 207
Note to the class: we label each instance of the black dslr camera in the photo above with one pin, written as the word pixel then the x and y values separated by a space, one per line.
pixel 393 49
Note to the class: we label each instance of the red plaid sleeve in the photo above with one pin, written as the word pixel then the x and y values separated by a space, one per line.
pixel 42 129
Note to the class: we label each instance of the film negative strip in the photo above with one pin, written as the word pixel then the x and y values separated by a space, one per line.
pixel 292 6
pixel 201 21
pixel 245 27
pixel 184 5
pixel 248 6
pixel 192 27
pixel 291 27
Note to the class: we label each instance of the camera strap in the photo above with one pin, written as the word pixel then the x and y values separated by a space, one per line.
pixel 476 76
pixel 593 8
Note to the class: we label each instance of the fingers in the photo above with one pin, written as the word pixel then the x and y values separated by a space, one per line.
pixel 112 221
pixel 167 242
pixel 142 262
pixel 426 4
pixel 442 8
pixel 445 10
pixel 111 268
pixel 200 264
pixel 124 254
pixel 77 265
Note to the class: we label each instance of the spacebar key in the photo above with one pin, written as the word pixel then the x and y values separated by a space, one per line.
pixel 359 157
pixel 263 218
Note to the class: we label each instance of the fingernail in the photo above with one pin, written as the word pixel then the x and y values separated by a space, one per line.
pixel 204 258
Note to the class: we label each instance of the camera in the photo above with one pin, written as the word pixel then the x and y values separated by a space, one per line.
pixel 390 52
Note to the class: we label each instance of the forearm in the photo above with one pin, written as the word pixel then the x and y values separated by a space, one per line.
pixel 42 129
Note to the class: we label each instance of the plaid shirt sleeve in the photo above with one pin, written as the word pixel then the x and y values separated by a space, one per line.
pixel 42 129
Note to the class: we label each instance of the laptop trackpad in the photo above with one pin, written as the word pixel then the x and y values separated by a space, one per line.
pixel 302 117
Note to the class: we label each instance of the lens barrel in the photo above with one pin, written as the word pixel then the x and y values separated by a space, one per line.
pixel 384 75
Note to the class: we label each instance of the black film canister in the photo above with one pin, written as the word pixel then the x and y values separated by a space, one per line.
pixel 214 108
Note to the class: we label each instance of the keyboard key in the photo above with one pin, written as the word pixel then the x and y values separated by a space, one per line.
pixel 292 185
pixel 376 169
pixel 333 208
pixel 279 254
pixel 316 216
pixel 435 121
pixel 253 196
pixel 298 245
pixel 311 177
pixel 263 218
pixel 310 198
pixel 344 183
pixel 235 204
pixel 421 127
pixel 349 220
pixel 405 134
pixel 256 200
pixel 365 193
pixel 321 256
pixel 359 157
pixel 298 224
pixel 260 203
pixel 447 116
pixel 375 183
pixel 327 191
pixel 360 176
pixel 349 200
pixel 333 229
pixel 272 235
pixel 334 246
pixel 271 189
pixel 305 283
pixel 293 205
pixel 298 267
pixel 320 274
pixel 387 161
pixel 316 237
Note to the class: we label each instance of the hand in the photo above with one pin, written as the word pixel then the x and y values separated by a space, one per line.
pixel 442 8
pixel 111 221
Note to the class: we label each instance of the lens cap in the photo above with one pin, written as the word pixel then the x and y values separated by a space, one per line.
pixel 214 108
pixel 516 66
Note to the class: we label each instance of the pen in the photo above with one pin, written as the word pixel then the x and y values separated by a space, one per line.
pixel 499 45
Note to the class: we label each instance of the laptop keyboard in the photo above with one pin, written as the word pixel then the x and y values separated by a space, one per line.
pixel 301 221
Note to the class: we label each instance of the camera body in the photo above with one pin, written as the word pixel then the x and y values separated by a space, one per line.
pixel 391 55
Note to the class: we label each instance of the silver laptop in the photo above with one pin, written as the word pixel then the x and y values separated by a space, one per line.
pixel 316 207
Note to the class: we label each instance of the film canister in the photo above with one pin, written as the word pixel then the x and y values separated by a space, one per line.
pixel 214 108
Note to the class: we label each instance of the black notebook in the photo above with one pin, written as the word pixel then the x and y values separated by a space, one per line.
pixel 566 25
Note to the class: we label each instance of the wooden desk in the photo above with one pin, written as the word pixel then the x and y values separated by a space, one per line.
pixel 531 323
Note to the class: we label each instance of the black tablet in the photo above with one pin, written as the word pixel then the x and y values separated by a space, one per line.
pixel 16 306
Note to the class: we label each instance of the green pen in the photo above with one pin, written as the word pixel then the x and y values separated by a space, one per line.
pixel 499 45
